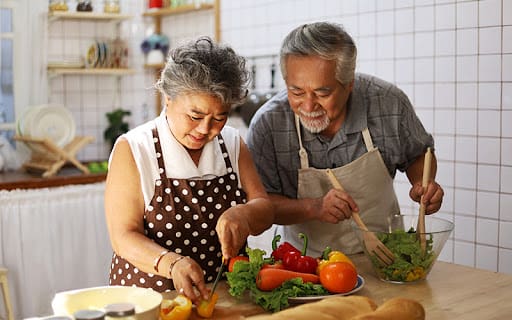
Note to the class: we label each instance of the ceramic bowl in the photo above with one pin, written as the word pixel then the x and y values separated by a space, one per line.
pixel 400 237
pixel 147 301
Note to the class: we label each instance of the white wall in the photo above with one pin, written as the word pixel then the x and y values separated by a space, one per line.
pixel 453 58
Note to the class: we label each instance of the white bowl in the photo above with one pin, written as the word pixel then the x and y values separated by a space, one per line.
pixel 147 301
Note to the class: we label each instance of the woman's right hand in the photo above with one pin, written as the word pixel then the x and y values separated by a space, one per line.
pixel 188 279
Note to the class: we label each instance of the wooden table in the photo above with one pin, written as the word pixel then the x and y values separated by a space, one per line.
pixel 450 292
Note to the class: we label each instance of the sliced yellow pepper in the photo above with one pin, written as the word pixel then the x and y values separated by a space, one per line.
pixel 333 256
pixel 179 308
pixel 206 307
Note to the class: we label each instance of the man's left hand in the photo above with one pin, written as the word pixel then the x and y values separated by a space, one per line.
pixel 432 196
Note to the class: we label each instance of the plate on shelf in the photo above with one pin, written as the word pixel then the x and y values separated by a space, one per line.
pixel 299 300
pixel 53 122
pixel 92 56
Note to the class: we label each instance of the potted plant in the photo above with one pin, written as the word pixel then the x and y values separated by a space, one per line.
pixel 117 126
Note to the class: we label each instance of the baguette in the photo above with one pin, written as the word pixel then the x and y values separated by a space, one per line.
pixel 396 309
pixel 333 308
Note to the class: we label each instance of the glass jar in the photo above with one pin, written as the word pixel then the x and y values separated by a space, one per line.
pixel 89 314
pixel 112 6
pixel 120 311
pixel 58 5
pixel 84 6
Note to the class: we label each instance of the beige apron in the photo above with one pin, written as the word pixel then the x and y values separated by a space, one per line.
pixel 367 181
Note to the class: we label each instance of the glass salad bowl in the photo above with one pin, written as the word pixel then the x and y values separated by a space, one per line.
pixel 399 236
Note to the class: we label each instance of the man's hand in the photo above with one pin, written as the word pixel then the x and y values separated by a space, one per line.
pixel 432 196
pixel 335 206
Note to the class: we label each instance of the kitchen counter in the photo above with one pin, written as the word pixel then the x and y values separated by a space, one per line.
pixel 450 292
pixel 66 176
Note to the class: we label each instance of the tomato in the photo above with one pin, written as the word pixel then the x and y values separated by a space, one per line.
pixel 338 277
pixel 235 259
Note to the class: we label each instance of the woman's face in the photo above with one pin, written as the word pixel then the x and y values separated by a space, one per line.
pixel 314 93
pixel 196 118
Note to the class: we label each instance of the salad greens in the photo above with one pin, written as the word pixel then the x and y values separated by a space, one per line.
pixel 243 278
pixel 410 263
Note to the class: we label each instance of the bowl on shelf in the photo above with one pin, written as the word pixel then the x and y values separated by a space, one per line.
pixel 147 301
pixel 399 235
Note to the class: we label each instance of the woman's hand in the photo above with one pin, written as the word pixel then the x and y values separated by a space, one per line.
pixel 188 279
pixel 432 196
pixel 233 228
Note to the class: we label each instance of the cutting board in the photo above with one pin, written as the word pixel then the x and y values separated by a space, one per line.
pixel 227 307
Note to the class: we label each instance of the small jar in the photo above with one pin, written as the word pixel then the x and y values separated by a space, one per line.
pixel 89 314
pixel 84 6
pixel 120 311
pixel 111 6
pixel 58 5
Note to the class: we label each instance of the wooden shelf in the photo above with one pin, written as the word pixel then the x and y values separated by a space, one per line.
pixel 92 71
pixel 154 65
pixel 178 10
pixel 57 15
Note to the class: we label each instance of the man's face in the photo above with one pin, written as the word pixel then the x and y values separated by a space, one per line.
pixel 315 95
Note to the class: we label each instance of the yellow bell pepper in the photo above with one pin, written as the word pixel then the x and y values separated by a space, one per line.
pixel 206 307
pixel 333 256
pixel 179 308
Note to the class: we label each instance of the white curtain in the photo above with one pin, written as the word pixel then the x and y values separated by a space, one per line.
pixel 51 240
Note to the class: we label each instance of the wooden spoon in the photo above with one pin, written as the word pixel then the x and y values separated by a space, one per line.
pixel 420 230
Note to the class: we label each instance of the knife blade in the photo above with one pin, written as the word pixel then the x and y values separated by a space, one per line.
pixel 219 274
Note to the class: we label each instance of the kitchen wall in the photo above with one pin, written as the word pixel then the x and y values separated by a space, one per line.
pixel 453 59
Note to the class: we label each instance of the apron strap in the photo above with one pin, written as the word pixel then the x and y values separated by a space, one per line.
pixel 303 155
pixel 368 139
pixel 159 155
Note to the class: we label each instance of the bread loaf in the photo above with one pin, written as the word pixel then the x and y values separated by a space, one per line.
pixel 333 308
pixel 351 308
pixel 396 309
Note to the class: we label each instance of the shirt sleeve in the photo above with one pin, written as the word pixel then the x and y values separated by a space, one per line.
pixel 261 146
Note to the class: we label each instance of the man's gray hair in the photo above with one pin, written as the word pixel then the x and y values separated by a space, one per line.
pixel 327 40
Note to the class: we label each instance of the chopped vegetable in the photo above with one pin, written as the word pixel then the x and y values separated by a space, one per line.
pixel 206 307
pixel 410 263
pixel 269 279
pixel 179 308
pixel 279 252
pixel 299 261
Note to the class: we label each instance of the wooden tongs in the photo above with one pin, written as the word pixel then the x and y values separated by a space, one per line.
pixel 420 229
pixel 372 243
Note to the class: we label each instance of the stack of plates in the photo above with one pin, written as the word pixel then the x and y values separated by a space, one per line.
pixel 49 121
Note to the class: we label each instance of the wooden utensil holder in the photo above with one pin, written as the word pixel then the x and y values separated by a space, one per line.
pixel 49 158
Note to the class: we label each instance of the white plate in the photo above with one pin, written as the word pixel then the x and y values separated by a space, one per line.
pixel 298 300
pixel 53 122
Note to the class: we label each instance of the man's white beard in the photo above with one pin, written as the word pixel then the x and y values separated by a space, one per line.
pixel 316 125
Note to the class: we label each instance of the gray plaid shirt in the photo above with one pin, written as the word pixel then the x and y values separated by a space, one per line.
pixel 374 103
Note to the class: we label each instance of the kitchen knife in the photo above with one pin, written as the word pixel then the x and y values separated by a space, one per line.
pixel 219 274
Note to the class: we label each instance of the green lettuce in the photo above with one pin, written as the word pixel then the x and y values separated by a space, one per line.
pixel 243 279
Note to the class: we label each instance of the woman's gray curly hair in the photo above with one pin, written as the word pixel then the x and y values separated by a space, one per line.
pixel 326 40
pixel 203 66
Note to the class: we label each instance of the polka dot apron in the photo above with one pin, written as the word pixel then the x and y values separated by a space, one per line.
pixel 181 217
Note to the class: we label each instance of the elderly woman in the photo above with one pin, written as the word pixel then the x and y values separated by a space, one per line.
pixel 182 191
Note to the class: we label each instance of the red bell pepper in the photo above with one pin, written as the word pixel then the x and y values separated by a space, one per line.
pixel 299 261
pixel 279 252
